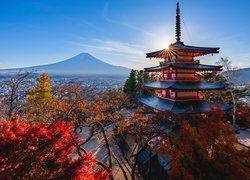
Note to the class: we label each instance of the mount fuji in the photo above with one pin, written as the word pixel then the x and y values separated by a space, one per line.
pixel 82 64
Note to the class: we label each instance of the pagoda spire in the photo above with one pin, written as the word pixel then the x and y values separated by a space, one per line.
pixel 178 24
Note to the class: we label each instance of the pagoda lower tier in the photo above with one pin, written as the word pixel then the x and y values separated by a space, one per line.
pixel 182 107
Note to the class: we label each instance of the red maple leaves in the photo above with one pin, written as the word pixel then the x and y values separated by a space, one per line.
pixel 39 151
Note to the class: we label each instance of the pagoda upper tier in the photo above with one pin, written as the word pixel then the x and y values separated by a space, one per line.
pixel 179 49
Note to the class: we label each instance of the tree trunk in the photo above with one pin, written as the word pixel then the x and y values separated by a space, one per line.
pixel 234 108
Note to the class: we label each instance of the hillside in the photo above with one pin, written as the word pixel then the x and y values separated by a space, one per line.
pixel 242 76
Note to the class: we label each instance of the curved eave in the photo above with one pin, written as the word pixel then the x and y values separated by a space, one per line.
pixel 179 46
pixel 155 68
pixel 185 86
pixel 199 67
pixel 164 53
pixel 198 50
pixel 182 107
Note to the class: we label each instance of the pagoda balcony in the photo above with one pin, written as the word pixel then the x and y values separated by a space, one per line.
pixel 178 79
pixel 174 98
pixel 167 63
pixel 192 66
pixel 187 86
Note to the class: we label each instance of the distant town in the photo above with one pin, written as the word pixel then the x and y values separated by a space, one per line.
pixel 98 82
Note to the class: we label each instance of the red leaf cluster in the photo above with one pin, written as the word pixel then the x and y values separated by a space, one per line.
pixel 39 151
pixel 206 151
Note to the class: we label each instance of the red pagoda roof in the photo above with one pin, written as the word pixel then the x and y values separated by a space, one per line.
pixel 199 67
pixel 173 49
pixel 182 107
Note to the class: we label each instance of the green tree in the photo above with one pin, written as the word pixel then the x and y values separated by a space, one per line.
pixel 143 77
pixel 134 83
pixel 130 84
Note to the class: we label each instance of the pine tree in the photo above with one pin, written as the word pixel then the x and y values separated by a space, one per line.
pixel 133 84
pixel 40 100
pixel 130 84
pixel 143 77
pixel 42 91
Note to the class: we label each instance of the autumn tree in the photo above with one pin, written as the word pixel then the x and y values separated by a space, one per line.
pixel 12 103
pixel 232 94
pixel 243 116
pixel 135 134
pixel 40 99
pixel 201 146
pixel 39 151
pixel 206 151
pixel 71 103
pixel 106 106
pixel 42 91
pixel 230 74
pixel 92 110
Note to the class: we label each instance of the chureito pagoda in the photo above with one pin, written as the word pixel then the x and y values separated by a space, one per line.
pixel 178 89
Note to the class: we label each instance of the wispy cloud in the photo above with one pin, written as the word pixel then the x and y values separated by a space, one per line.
pixel 242 60
pixel 82 22
pixel 110 46
pixel 123 23
pixel 119 53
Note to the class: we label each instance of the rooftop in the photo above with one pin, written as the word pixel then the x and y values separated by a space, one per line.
pixel 173 49
pixel 182 107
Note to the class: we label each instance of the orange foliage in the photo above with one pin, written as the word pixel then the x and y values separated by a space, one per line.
pixel 206 151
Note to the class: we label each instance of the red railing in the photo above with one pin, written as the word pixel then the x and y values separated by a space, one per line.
pixel 181 98
pixel 182 78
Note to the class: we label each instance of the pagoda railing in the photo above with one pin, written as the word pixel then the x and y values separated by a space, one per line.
pixel 179 61
pixel 180 98
pixel 197 61
pixel 179 79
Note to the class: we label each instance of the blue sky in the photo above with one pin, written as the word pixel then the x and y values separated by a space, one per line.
pixel 119 32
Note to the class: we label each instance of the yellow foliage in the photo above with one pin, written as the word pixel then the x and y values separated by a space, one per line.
pixel 42 91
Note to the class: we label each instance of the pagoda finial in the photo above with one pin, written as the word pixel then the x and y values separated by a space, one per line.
pixel 178 24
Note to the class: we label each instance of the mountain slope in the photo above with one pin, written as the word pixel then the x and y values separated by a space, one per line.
pixel 242 76
pixel 82 64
